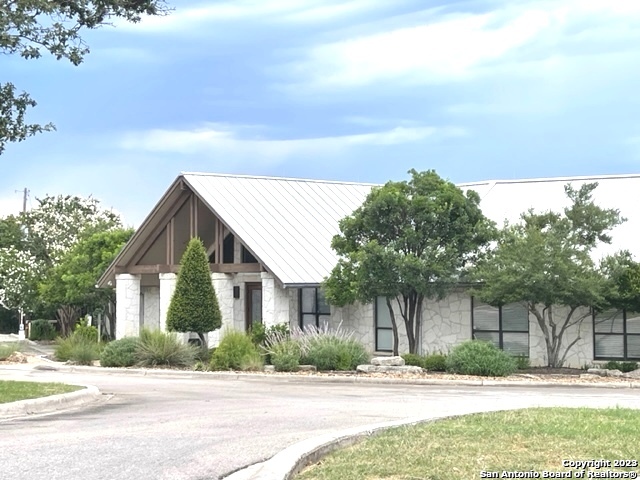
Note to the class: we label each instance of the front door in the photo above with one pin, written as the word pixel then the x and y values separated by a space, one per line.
pixel 254 304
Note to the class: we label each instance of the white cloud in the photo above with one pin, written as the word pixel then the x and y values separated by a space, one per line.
pixel 460 46
pixel 289 11
pixel 216 140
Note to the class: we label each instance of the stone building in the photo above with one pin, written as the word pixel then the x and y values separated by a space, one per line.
pixel 268 241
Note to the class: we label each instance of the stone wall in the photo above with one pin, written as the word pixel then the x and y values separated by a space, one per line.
pixel 151 307
pixel 128 305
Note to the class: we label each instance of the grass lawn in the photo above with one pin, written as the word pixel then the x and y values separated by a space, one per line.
pixel 11 391
pixel 461 448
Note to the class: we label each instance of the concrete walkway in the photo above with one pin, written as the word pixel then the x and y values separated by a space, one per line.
pixel 196 427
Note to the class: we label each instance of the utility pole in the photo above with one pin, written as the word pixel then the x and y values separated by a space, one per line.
pixel 21 335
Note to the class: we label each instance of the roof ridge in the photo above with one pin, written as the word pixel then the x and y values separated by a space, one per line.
pixel 285 179
pixel 553 179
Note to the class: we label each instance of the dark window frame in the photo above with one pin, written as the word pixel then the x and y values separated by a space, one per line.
pixel 317 312
pixel 624 334
pixel 376 328
pixel 228 248
pixel 500 330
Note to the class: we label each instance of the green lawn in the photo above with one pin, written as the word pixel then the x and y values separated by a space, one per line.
pixel 462 448
pixel 11 391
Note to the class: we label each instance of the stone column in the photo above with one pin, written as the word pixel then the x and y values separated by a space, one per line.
pixel 127 305
pixel 275 302
pixel 167 286
pixel 223 285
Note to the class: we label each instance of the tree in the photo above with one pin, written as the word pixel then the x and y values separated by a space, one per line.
pixel 194 305
pixel 70 285
pixel 545 263
pixel 46 234
pixel 408 242
pixel 30 27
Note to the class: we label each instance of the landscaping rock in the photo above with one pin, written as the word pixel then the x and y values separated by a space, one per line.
pixel 388 361
pixel 388 369
pixel 633 374
pixel 603 372
pixel 269 368
pixel 307 368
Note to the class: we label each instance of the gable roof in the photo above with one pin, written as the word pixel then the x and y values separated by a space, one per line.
pixel 288 223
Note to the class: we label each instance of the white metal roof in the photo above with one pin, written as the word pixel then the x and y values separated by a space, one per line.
pixel 287 223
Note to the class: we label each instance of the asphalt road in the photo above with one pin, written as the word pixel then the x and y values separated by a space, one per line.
pixel 202 428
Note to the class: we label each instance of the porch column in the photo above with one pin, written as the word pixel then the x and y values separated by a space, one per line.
pixel 167 286
pixel 223 285
pixel 127 305
pixel 275 302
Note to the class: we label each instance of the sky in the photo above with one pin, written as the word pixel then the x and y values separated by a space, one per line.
pixel 354 90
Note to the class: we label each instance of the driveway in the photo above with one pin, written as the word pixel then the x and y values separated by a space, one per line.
pixel 202 428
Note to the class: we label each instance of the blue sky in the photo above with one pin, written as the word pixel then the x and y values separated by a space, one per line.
pixel 358 90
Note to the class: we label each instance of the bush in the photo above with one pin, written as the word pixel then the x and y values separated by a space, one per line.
pixel 6 350
pixel 413 360
pixel 436 362
pixel 622 366
pixel 41 330
pixel 285 356
pixel 522 362
pixel 235 348
pixel 87 331
pixel 120 353
pixel 158 348
pixel 252 362
pixel 194 304
pixel 258 334
pixel 329 349
pixel 78 349
pixel 480 358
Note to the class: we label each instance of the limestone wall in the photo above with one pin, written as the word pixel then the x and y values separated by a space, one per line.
pixel 151 307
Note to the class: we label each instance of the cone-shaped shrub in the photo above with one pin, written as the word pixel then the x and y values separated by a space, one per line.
pixel 194 305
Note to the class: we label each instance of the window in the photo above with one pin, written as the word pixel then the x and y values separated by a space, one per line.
pixel 384 331
pixel 228 248
pixel 313 306
pixel 247 257
pixel 507 327
pixel 616 335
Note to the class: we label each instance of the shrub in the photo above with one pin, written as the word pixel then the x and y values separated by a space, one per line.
pixel 436 362
pixel 413 359
pixel 285 356
pixel 252 362
pixel 480 358
pixel 522 362
pixel 329 349
pixel 258 333
pixel 194 304
pixel 120 353
pixel 78 349
pixel 234 348
pixel 158 348
pixel 87 331
pixel 41 330
pixel 622 366
pixel 6 350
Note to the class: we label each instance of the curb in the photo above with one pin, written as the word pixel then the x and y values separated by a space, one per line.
pixel 50 404
pixel 287 463
pixel 159 373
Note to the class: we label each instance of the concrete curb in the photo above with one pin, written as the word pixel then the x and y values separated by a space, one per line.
pixel 290 461
pixel 158 373
pixel 50 404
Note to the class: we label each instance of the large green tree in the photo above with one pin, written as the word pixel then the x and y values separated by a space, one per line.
pixel 37 241
pixel 30 28
pixel 408 242
pixel 545 263
pixel 194 304
pixel 70 285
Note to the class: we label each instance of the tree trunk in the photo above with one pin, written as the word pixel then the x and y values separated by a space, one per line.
pixel 553 337
pixel 203 342
pixel 409 316
pixel 68 316
pixel 394 326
